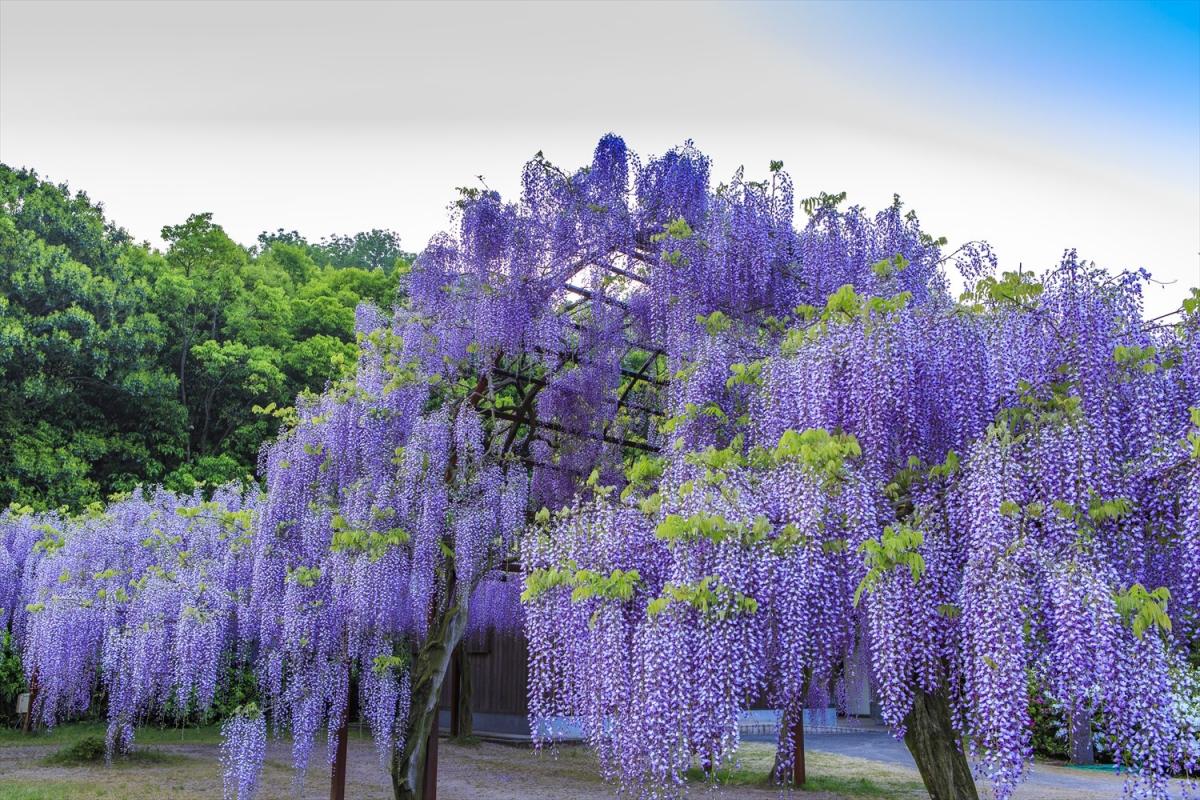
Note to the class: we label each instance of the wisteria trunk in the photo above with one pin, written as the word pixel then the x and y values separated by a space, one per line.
pixel 429 672
pixel 934 745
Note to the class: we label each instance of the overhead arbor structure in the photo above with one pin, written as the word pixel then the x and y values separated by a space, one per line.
pixel 719 456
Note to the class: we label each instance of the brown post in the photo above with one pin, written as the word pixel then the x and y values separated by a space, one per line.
pixel 455 693
pixel 337 773
pixel 33 693
pixel 798 776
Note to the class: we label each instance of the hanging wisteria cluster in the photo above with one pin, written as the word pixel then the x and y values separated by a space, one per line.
pixel 973 493
pixel 761 452
pixel 142 596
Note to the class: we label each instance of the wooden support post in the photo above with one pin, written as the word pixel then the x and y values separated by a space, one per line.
pixel 337 777
pixel 337 772
pixel 455 693
pixel 33 693
pixel 798 776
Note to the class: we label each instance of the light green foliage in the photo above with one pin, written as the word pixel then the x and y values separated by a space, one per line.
pixel 823 200
pixel 843 306
pixel 1144 609
pixel 397 663
pixel 1192 442
pixel 348 538
pixel 745 374
pixel 585 584
pixel 677 228
pixel 889 267
pixel 822 454
pixel 1010 289
pixel 1134 357
pixel 1053 404
pixel 898 546
pixel 709 596
pixel 715 323
pixel 1191 304
pixel 643 471
pixel 304 576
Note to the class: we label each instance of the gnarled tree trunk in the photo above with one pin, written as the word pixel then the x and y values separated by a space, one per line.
pixel 934 745
pixel 428 673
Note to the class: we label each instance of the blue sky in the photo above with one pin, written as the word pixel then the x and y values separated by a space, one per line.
pixel 1130 68
pixel 1036 126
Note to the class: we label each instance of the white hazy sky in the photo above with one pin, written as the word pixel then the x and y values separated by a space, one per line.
pixel 1034 126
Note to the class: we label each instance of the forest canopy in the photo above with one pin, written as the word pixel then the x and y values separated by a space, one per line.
pixel 122 364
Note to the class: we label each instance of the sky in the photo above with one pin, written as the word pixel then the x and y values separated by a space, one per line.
pixel 1035 126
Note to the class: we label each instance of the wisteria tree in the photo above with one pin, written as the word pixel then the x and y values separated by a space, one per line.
pixel 757 452
pixel 974 493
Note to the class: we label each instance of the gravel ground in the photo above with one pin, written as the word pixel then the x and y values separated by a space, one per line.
pixel 841 766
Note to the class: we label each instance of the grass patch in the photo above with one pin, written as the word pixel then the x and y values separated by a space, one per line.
pixel 90 751
pixel 73 732
pixel 42 790
pixel 853 787
pixel 843 776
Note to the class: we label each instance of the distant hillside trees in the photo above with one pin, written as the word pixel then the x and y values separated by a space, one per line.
pixel 121 364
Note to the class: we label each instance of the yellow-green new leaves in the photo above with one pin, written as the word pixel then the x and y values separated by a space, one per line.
pixel 899 546
pixel 700 525
pixel 1134 357
pixel 287 415
pixel 889 266
pixel 844 305
pixel 544 579
pixel 1192 442
pixel 1191 304
pixel 304 576
pixel 382 664
pixel 745 374
pixel 677 228
pixel 617 585
pixel 644 470
pixel 821 453
pixel 349 539
pixel 715 323
pixel 1144 609
pixel 1012 288
pixel 709 596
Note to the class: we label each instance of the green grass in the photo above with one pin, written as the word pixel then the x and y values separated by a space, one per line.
pixel 40 790
pixel 72 733
pixel 90 751
pixel 854 787
pixel 834 784
pixel 838 775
